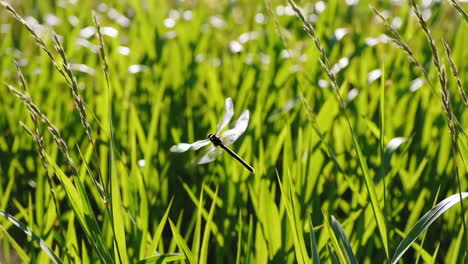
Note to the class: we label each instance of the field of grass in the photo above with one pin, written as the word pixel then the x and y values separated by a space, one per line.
pixel 357 131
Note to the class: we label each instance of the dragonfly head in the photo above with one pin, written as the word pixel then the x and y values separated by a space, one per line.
pixel 215 139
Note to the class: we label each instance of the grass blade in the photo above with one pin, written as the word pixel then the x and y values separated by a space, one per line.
pixel 81 206
pixel 287 193
pixel 163 258
pixel 19 251
pixel 159 230
pixel 181 243
pixel 49 252
pixel 313 243
pixel 340 251
pixel 425 222
pixel 206 234
pixel 118 224
pixel 343 241
pixel 378 215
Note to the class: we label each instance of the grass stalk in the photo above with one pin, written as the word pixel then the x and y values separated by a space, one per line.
pixel 447 106
pixel 36 135
pixel 34 35
pixel 453 67
pixel 398 40
pixel 70 79
pixel 459 10
pixel 34 110
pixel 380 220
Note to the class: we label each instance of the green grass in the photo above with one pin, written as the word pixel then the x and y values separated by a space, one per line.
pixel 86 174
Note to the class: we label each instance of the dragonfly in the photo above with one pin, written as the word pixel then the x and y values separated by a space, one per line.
pixel 227 138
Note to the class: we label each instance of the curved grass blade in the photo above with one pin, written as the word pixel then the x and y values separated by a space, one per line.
pixel 14 244
pixel 49 252
pixel 434 203
pixel 343 241
pixel 418 247
pixel 340 251
pixel 425 222
pixel 332 255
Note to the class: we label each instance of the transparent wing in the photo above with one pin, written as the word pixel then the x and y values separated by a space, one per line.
pixel 182 147
pixel 231 135
pixel 209 155
pixel 228 113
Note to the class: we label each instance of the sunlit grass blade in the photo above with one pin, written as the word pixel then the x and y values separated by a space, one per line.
pixel 118 223
pixel 79 202
pixel 288 196
pixel 239 240
pixel 267 214
pixel 425 222
pixel 425 256
pixel 463 148
pixel 339 244
pixel 381 224
pixel 17 248
pixel 214 227
pixel 332 255
pixel 434 255
pixel 45 248
pixel 159 230
pixel 343 241
pixel 198 224
pixel 249 242
pixel 164 258
pixel 313 243
pixel 6 192
pixel 182 244
pixel 436 198
pixel 206 234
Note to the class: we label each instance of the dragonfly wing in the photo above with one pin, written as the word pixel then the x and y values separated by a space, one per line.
pixel 182 147
pixel 231 135
pixel 228 113
pixel 200 143
pixel 209 155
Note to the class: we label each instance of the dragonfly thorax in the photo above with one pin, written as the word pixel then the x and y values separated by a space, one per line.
pixel 215 139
